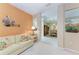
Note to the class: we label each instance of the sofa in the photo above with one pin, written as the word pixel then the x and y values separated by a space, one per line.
pixel 15 45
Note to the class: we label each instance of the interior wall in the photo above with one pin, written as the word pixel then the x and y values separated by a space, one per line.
pixel 67 40
pixel 71 40
pixel 60 26
pixel 37 22
pixel 20 17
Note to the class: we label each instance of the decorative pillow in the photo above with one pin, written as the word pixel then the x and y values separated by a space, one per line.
pixel 18 38
pixel 6 40
pixel 24 38
pixel 2 45
pixel 29 37
pixel 12 39
pixel 9 40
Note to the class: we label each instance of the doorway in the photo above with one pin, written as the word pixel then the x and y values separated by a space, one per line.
pixel 49 26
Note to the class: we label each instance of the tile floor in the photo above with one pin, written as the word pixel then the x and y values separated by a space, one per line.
pixel 47 46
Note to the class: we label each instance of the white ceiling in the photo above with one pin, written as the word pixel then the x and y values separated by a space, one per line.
pixel 35 8
pixel 52 11
pixel 31 8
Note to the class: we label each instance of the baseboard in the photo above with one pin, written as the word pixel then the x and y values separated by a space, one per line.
pixel 71 50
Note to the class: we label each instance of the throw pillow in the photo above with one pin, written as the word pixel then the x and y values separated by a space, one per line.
pixel 24 38
pixel 2 45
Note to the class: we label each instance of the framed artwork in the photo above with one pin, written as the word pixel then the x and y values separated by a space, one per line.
pixel 8 22
pixel 72 20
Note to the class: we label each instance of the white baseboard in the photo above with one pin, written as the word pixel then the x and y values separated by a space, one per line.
pixel 71 50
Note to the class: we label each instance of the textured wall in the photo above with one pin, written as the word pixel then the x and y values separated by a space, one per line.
pixel 22 18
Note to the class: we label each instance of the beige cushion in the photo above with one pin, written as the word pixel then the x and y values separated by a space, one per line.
pixel 18 38
pixel 8 39
pixel 11 39
pixel 15 47
pixel 10 49
pixel 5 40
pixel 25 38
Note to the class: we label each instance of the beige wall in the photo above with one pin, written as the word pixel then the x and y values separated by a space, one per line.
pixel 71 40
pixel 22 18
pixel 67 40
pixel 60 26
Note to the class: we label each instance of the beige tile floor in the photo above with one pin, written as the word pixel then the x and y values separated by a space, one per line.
pixel 47 46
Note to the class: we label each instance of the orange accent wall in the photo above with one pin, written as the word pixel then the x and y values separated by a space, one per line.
pixel 22 18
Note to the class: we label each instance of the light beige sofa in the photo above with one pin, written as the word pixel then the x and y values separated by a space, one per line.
pixel 15 45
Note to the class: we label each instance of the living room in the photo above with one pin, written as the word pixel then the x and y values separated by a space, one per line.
pixel 22 29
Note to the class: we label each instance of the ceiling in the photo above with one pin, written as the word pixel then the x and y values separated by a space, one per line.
pixel 48 9
pixel 31 8
pixel 51 12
